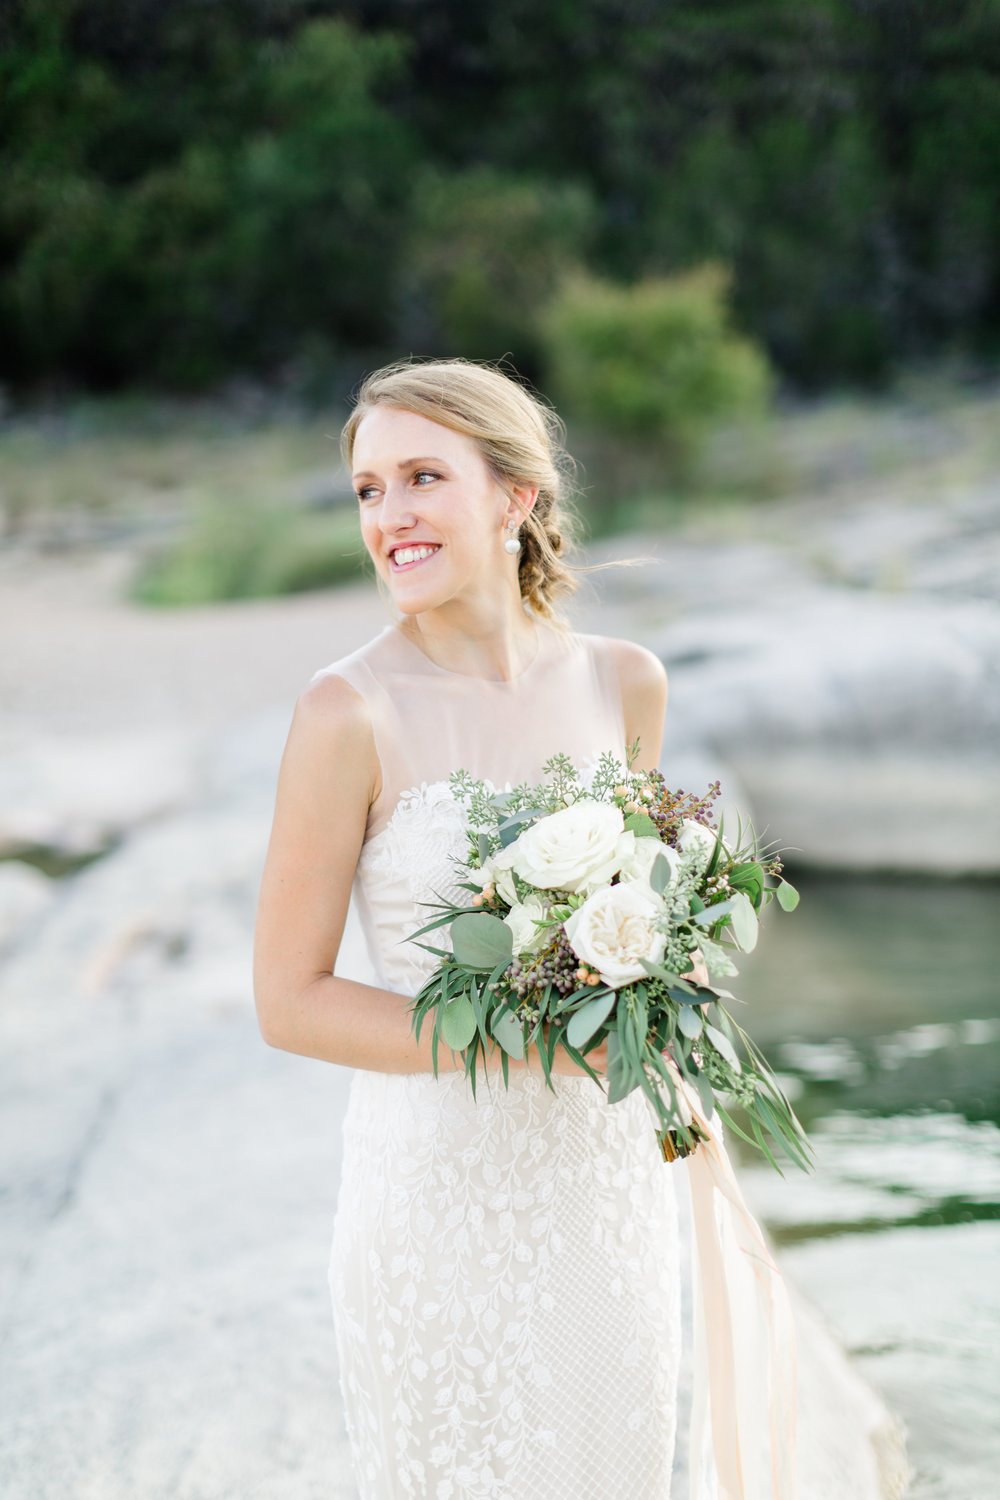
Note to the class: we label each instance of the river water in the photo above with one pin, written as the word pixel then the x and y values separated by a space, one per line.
pixel 877 1003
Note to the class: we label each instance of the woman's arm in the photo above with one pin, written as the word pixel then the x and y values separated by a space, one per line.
pixel 644 687
pixel 326 782
pixel 642 678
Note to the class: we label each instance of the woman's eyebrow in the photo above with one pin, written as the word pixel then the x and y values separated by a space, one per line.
pixel 404 463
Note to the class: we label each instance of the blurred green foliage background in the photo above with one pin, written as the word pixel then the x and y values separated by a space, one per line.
pixel 280 187
pixel 672 219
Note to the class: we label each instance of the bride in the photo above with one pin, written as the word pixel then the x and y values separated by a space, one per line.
pixel 504 1270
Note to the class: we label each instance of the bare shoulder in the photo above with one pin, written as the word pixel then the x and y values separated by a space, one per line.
pixel 332 729
pixel 642 680
pixel 329 703
pixel 640 670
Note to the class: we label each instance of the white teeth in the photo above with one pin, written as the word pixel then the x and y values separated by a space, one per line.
pixel 410 554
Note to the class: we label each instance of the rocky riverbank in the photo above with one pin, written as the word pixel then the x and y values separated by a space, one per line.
pixel 841 668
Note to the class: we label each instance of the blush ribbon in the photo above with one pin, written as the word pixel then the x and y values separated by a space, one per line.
pixel 743 1325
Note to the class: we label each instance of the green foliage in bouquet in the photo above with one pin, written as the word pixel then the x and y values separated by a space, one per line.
pixel 531 962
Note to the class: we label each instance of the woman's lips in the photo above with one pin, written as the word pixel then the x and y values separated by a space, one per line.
pixel 405 567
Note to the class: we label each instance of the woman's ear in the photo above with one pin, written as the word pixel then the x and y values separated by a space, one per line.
pixel 523 499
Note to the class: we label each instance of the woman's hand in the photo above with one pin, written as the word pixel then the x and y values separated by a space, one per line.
pixel 698 973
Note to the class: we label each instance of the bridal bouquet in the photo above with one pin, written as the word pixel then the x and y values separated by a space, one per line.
pixel 592 909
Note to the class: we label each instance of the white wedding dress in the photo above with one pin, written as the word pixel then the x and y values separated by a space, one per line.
pixel 504 1271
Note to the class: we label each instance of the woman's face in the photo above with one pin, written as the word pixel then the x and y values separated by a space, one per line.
pixel 419 482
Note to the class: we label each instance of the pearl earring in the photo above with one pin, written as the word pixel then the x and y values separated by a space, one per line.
pixel 512 544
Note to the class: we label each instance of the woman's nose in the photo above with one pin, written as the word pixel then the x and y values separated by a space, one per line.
pixel 396 511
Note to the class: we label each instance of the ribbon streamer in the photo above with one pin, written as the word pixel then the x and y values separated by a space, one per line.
pixel 741 1312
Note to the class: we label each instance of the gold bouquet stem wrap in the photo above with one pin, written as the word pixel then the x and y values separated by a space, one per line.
pixel 670 1141
pixel 743 1328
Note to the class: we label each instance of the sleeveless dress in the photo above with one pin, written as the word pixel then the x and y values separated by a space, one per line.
pixel 503 1271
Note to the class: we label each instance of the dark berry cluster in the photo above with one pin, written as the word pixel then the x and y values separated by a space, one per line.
pixel 668 808
pixel 555 964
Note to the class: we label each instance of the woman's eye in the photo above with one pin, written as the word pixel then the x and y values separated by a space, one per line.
pixel 362 493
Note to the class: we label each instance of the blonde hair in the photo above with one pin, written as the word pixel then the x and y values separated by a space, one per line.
pixel 521 439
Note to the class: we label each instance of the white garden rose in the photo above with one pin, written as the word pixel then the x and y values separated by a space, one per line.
pixel 695 836
pixel 496 869
pixel 575 849
pixel 640 862
pixel 614 928
pixel 521 920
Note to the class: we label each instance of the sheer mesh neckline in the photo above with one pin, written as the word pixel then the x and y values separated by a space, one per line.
pixel 501 682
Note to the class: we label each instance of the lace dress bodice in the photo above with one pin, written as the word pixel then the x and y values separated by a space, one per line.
pixel 504 1270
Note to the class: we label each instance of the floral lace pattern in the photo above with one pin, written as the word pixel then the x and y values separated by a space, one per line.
pixel 504 1271
pixel 413 861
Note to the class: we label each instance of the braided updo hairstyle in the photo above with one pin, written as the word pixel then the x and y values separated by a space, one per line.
pixel 522 441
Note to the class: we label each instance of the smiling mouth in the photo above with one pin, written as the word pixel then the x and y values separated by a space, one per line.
pixel 407 566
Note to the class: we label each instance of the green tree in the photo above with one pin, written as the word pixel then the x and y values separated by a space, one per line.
pixel 232 251
pixel 486 251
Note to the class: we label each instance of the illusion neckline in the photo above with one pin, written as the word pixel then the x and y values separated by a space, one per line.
pixel 501 682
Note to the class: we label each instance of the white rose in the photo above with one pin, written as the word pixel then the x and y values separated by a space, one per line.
pixel 575 849
pixel 695 836
pixel 614 928
pixel 640 863
pixel 520 919
pixel 496 868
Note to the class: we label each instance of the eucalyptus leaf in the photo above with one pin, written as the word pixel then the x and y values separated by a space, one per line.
pixel 458 1022
pixel 706 915
pixel 686 992
pixel 584 1022
pixel 788 896
pixel 509 1033
pixel 481 941
pixel 722 1044
pixel 523 815
pixel 513 826
pixel 621 1081
pixel 689 1021
pixel 566 1002
pixel 744 920
pixel 479 1006
pixel 706 1094
pixel 659 972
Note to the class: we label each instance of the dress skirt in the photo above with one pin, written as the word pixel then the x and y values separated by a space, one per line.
pixel 505 1284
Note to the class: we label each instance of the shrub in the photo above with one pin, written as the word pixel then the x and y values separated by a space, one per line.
pixel 252 551
pixel 654 365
